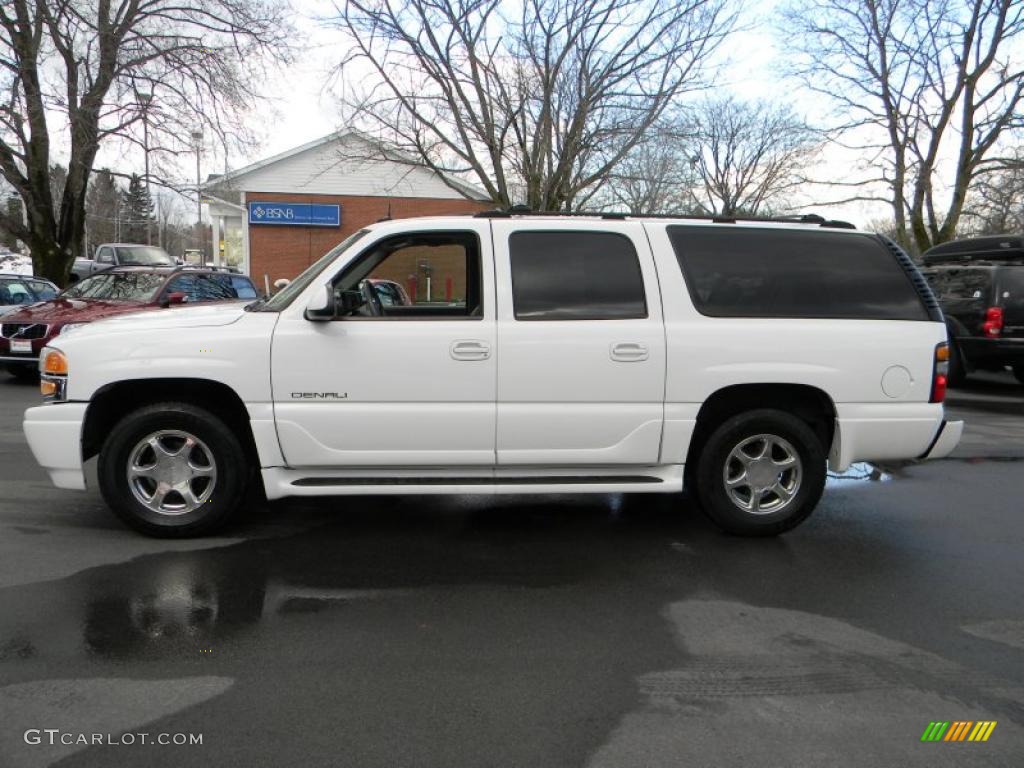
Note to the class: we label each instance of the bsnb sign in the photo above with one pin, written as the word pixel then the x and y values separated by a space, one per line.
pixel 295 214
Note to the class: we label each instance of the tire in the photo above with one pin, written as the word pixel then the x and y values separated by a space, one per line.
pixel 957 369
pixel 215 473
pixel 750 432
pixel 26 373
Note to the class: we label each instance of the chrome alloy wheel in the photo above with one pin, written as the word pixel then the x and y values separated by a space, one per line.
pixel 762 474
pixel 172 472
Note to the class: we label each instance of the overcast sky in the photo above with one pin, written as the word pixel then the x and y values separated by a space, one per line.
pixel 299 108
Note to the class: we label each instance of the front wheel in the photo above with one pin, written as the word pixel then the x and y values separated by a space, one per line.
pixel 760 473
pixel 172 470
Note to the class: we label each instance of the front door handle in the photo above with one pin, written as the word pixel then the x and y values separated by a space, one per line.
pixel 470 349
pixel 629 352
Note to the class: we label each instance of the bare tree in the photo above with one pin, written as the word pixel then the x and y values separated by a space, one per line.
pixel 749 157
pixel 89 69
pixel 995 204
pixel 927 87
pixel 655 177
pixel 537 104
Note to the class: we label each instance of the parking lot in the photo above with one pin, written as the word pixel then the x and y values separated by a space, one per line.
pixel 526 631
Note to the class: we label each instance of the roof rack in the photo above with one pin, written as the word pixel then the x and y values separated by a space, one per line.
pixel 207 267
pixel 988 250
pixel 807 218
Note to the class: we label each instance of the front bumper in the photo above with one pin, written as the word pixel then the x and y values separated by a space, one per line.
pixel 23 359
pixel 54 434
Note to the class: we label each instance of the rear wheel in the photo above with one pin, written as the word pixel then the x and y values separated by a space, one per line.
pixel 760 473
pixel 172 470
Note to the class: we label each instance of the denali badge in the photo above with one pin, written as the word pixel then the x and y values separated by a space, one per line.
pixel 319 395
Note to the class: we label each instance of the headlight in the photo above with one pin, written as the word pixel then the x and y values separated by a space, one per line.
pixel 71 327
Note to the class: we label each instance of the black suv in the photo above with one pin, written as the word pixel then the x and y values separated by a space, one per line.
pixel 980 283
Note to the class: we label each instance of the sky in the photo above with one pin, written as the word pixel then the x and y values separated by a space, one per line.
pixel 299 108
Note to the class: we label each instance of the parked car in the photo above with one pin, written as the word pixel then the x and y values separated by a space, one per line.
pixel 114 292
pixel 121 255
pixel 980 284
pixel 18 290
pixel 588 353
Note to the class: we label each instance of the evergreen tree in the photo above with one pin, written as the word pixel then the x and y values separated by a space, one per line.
pixel 138 211
pixel 103 209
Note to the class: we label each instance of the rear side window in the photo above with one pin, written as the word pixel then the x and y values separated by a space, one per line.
pixel 243 287
pixel 748 272
pixel 575 275
pixel 1011 288
pixel 954 283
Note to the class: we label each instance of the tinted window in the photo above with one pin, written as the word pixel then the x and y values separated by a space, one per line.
pixel 956 283
pixel 748 272
pixel 575 276
pixel 1011 290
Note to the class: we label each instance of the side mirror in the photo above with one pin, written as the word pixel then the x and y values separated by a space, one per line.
pixel 321 307
pixel 174 297
pixel 350 301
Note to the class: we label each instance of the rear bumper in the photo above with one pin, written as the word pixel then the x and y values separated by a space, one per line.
pixel 891 432
pixel 54 434
pixel 1002 351
pixel 946 439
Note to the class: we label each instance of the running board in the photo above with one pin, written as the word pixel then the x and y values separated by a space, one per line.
pixel 536 480
pixel 281 482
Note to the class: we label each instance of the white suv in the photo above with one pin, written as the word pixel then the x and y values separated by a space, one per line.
pixel 549 354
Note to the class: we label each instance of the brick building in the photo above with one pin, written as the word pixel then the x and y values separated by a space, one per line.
pixel 275 217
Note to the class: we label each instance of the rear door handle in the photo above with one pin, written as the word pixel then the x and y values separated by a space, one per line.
pixel 629 352
pixel 470 349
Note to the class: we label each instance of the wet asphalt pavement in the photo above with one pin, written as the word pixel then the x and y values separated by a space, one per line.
pixel 525 631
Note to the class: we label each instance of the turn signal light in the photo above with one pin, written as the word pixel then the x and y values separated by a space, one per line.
pixel 47 388
pixel 55 363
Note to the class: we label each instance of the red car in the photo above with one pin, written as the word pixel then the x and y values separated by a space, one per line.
pixel 25 332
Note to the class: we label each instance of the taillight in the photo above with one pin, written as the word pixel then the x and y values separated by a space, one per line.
pixel 993 325
pixel 940 373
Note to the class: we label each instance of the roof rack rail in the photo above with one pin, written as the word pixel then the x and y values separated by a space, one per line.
pixel 209 267
pixel 807 218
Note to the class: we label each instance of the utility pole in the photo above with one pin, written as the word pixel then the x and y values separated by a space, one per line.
pixel 144 100
pixel 197 139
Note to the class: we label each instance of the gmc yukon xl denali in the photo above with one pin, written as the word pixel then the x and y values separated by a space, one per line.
pixel 570 354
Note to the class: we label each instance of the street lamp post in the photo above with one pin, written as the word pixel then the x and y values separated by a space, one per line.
pixel 197 139
pixel 144 100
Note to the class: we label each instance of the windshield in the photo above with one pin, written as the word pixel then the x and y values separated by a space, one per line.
pixel 117 286
pixel 143 255
pixel 287 295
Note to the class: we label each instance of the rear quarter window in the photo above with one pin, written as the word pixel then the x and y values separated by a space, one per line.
pixel 951 283
pixel 750 272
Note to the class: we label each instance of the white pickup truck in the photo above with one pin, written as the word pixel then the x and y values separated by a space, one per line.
pixel 550 354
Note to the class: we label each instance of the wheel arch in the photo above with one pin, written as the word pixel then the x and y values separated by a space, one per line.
pixel 113 401
pixel 809 403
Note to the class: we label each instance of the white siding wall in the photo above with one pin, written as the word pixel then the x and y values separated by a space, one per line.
pixel 348 166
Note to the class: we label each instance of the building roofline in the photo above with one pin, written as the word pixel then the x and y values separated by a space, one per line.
pixel 468 190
